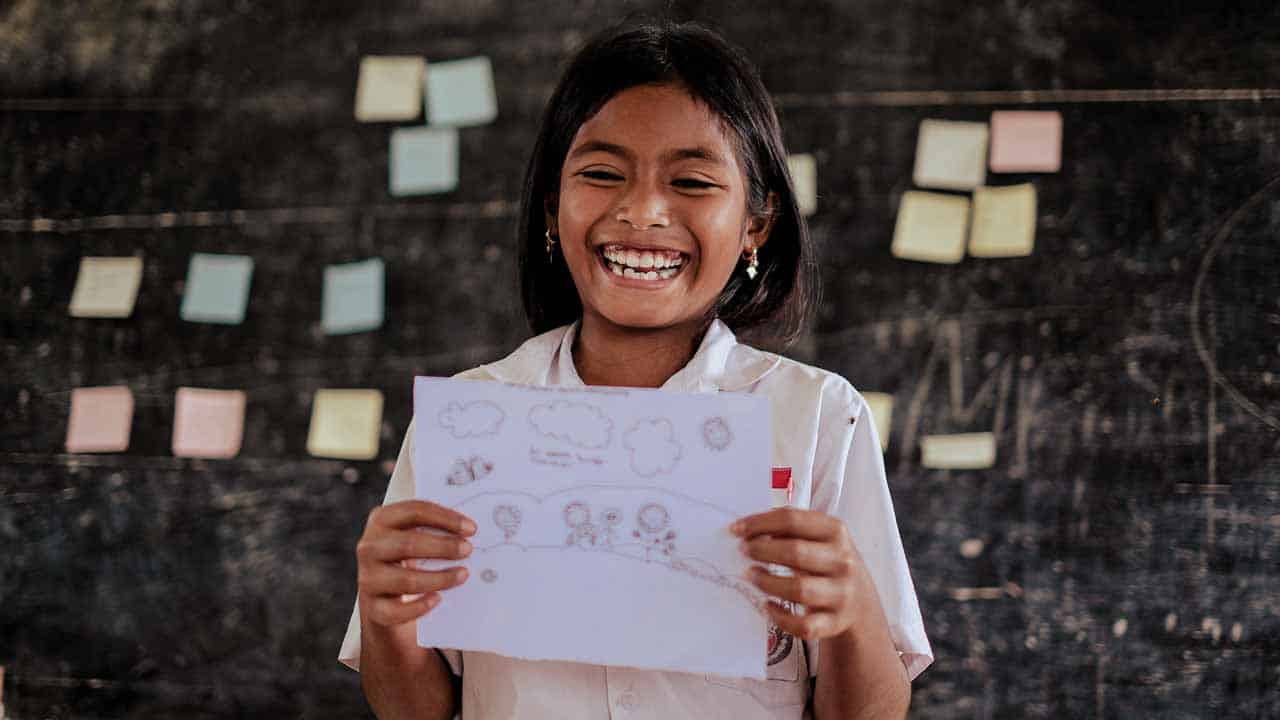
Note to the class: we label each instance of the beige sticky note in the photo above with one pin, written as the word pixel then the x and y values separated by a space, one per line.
pixel 208 423
pixel 951 155
pixel 345 424
pixel 966 451
pixel 1004 221
pixel 101 418
pixel 106 287
pixel 931 227
pixel 804 176
pixel 390 88
pixel 881 405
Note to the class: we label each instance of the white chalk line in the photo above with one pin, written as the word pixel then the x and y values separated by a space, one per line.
pixel 909 98
pixel 482 209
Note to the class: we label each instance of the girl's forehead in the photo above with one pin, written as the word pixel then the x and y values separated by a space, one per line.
pixel 654 119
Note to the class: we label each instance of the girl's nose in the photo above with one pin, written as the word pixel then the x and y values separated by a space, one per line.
pixel 643 207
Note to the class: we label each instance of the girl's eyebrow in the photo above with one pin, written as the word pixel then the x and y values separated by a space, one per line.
pixel 690 153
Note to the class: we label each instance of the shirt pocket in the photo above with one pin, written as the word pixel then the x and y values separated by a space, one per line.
pixel 786 682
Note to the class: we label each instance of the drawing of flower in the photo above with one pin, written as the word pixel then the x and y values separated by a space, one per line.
pixel 716 433
pixel 578 517
pixel 651 520
pixel 507 518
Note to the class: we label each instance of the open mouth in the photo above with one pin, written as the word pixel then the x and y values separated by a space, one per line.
pixel 642 264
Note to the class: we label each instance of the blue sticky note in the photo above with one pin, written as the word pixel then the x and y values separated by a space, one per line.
pixel 217 288
pixel 461 93
pixel 353 297
pixel 423 160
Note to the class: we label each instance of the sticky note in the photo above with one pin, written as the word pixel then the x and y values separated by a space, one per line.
pixel 208 423
pixel 881 406
pixel 423 160
pixel 461 93
pixel 345 424
pixel 100 421
pixel 353 297
pixel 1004 221
pixel 931 227
pixel 217 288
pixel 390 88
pixel 967 451
pixel 1026 141
pixel 106 287
pixel 951 155
pixel 804 176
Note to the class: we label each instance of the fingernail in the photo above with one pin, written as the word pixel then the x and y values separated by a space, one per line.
pixel 433 600
pixel 464 549
pixel 736 527
pixel 461 574
pixel 468 527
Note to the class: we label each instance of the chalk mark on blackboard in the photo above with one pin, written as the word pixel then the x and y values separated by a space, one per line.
pixel 334 214
pixel 1197 294
pixel 910 98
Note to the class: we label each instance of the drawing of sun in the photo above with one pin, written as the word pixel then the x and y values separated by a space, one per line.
pixel 716 433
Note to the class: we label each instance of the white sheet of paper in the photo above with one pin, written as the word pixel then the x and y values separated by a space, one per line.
pixel 966 451
pixel 804 176
pixel 881 406
pixel 602 519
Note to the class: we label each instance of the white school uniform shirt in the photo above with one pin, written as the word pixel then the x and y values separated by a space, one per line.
pixel 822 431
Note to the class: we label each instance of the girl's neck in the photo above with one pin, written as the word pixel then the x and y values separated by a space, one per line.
pixel 608 354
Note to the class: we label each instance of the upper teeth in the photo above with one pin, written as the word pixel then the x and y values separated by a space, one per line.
pixel 642 259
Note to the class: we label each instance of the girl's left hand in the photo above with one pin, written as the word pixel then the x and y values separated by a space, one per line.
pixel 829 578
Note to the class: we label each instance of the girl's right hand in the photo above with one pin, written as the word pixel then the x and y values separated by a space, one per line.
pixel 392 590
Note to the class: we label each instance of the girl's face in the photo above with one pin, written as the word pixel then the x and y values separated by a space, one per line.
pixel 652 211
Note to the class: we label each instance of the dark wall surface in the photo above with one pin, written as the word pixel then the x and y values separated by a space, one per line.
pixel 1130 368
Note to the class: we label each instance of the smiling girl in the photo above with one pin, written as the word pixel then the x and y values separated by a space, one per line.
pixel 658 221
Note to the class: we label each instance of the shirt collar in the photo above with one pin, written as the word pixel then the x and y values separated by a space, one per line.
pixel 720 363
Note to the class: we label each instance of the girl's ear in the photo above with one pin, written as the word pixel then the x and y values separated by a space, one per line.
pixel 550 208
pixel 759 226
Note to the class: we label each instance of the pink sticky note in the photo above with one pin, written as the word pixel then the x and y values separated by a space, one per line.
pixel 100 419
pixel 208 423
pixel 1026 141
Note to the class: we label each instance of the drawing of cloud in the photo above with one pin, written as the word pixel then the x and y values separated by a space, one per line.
pixel 474 419
pixel 580 425
pixel 653 447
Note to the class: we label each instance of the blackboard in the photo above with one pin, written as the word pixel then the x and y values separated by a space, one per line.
pixel 1130 368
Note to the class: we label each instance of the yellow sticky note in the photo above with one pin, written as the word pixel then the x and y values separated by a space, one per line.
pixel 106 287
pixel 345 424
pixel 951 155
pixel 966 451
pixel 1004 221
pixel 931 227
pixel 804 176
pixel 881 406
pixel 390 88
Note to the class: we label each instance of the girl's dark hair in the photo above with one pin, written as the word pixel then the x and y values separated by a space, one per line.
pixel 772 308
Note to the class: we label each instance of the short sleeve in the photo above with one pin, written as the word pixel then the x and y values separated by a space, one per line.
pixel 850 483
pixel 400 488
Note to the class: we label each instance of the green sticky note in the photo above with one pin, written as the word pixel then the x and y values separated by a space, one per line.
pixel 353 297
pixel 423 160
pixel 461 93
pixel 217 289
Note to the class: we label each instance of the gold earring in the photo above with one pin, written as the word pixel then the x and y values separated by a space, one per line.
pixel 551 246
pixel 753 263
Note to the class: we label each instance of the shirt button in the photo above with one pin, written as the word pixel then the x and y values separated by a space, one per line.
pixel 628 701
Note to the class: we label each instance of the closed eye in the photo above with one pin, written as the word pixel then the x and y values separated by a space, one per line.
pixel 600 175
pixel 693 184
